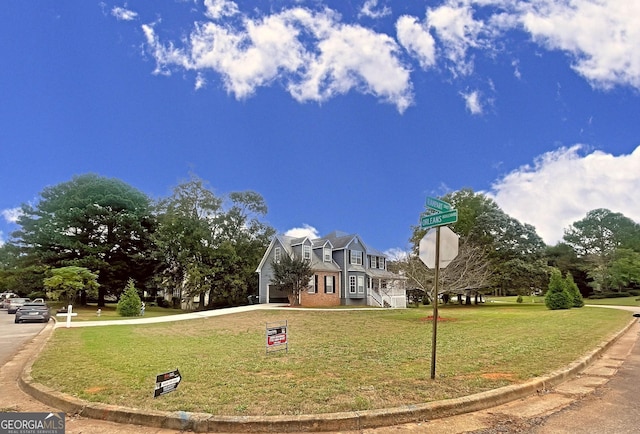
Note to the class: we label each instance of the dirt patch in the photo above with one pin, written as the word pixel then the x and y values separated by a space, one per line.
pixel 94 390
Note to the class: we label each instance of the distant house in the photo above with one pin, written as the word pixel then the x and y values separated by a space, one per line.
pixel 346 272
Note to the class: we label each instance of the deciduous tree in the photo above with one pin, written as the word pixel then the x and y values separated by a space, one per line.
pixel 67 282
pixel 596 238
pixel 293 275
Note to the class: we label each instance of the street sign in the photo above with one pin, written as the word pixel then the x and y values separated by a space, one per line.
pixel 167 382
pixel 438 205
pixel 448 247
pixel 439 219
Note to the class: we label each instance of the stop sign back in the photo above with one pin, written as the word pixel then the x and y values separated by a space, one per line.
pixel 449 241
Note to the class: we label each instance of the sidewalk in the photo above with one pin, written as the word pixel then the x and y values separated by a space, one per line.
pixel 169 318
pixel 540 396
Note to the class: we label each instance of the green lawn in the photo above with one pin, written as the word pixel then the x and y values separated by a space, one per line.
pixel 109 312
pixel 621 301
pixel 337 361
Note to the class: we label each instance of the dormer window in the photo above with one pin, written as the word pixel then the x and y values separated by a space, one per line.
pixel 327 254
pixel 374 262
pixel 306 252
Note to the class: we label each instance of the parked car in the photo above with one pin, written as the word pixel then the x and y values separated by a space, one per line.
pixel 4 299
pixel 33 312
pixel 15 303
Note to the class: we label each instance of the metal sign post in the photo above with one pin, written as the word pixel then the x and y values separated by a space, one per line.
pixel 445 214
pixel 434 338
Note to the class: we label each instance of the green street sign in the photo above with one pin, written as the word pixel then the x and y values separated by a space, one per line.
pixel 438 205
pixel 439 219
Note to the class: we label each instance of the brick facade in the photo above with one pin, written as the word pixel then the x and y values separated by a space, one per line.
pixel 320 298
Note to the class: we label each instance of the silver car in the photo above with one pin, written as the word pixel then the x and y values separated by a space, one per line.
pixel 15 303
pixel 28 312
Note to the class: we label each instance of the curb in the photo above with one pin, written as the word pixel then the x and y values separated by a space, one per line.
pixel 344 421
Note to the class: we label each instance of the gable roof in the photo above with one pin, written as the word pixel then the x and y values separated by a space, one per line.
pixel 337 240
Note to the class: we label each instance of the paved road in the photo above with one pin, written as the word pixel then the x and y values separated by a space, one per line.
pixel 13 336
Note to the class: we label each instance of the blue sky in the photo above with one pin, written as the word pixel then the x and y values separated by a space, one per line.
pixel 345 115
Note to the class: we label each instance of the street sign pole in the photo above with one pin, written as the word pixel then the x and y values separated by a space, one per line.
pixel 435 307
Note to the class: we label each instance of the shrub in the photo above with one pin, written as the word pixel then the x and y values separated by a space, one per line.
pixel 574 292
pixel 557 296
pixel 519 299
pixel 129 303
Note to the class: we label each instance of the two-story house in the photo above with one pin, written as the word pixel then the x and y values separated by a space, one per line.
pixel 346 272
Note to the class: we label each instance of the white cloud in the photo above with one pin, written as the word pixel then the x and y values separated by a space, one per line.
pixel 123 14
pixel 472 101
pixel 458 31
pixel 11 215
pixel 332 58
pixel 315 55
pixel 304 231
pixel 563 185
pixel 370 9
pixel 352 57
pixel 216 9
pixel 417 40
pixel 602 36
pixel 200 81
pixel 396 254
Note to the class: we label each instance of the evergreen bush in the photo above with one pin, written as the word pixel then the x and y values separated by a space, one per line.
pixel 574 292
pixel 557 296
pixel 129 303
pixel 519 299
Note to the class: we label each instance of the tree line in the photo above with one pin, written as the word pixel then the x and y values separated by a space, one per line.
pixel 502 256
pixel 191 243
pixel 197 243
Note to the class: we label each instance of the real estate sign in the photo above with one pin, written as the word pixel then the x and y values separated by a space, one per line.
pixel 276 334
pixel 167 382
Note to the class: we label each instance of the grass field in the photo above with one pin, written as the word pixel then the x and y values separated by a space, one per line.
pixel 337 361
pixel 109 312
pixel 621 301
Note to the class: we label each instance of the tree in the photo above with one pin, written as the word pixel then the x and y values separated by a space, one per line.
pixel 292 274
pixel 602 232
pixel 574 292
pixel 557 296
pixel 99 223
pixel 496 251
pixel 563 257
pixel 244 237
pixel 17 274
pixel 185 238
pixel 129 303
pixel 596 238
pixel 210 246
pixel 67 282
pixel 624 270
